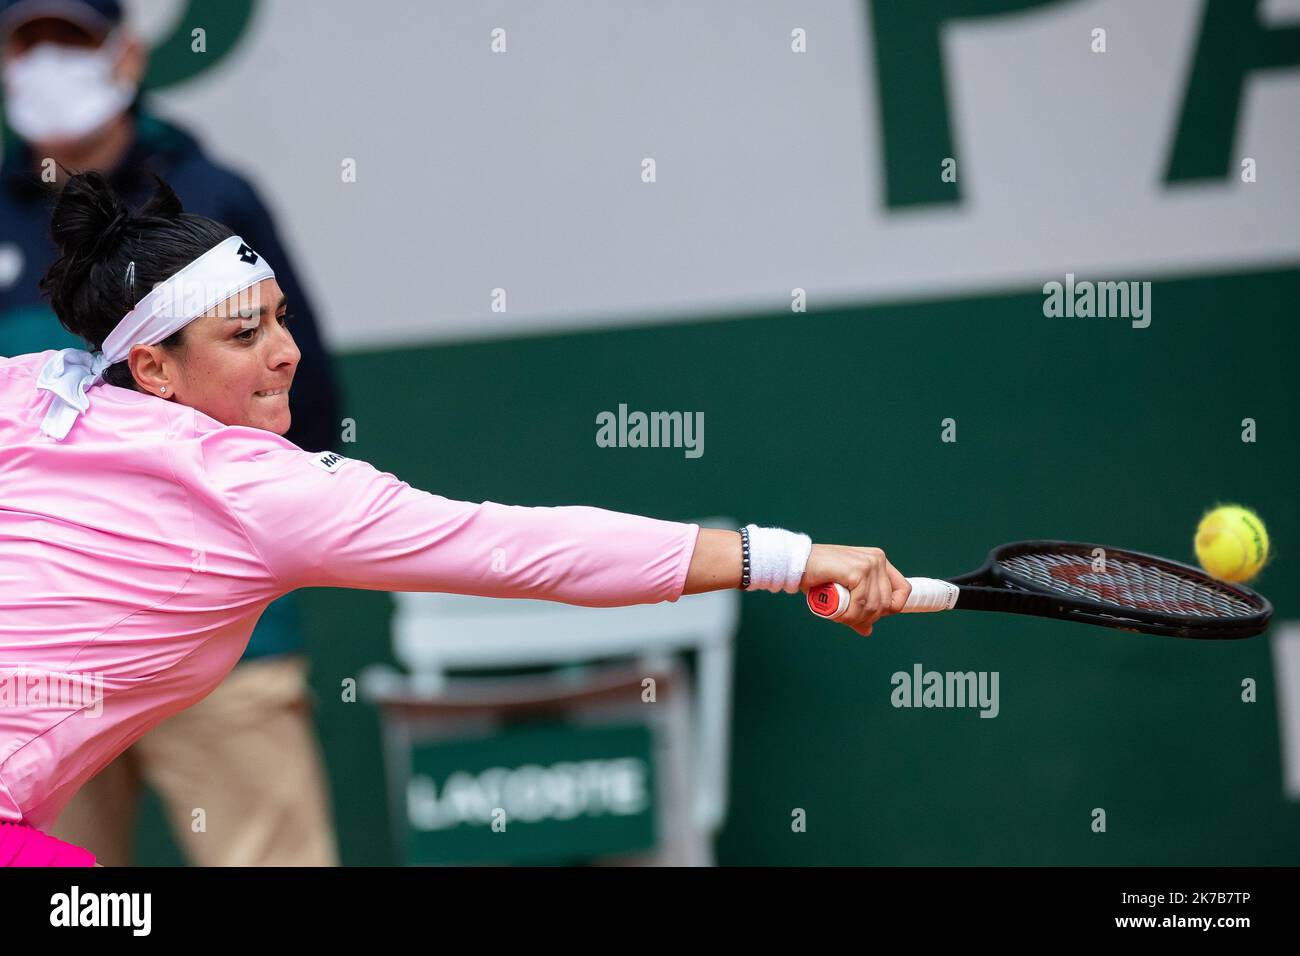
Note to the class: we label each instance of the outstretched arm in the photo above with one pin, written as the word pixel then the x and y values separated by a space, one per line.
pixel 327 521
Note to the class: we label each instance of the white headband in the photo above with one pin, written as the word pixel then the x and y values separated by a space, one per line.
pixel 224 270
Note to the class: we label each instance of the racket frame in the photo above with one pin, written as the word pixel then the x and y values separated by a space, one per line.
pixel 995 588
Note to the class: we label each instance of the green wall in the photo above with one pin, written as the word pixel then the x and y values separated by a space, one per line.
pixel 829 422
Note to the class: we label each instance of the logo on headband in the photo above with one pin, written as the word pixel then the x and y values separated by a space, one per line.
pixel 247 254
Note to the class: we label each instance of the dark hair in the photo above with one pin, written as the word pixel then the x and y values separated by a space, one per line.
pixel 91 286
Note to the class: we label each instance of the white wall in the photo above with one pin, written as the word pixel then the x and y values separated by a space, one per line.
pixel 522 170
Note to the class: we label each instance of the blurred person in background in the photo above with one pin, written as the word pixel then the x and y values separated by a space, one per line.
pixel 247 755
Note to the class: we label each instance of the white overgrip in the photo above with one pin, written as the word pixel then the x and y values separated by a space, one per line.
pixel 931 594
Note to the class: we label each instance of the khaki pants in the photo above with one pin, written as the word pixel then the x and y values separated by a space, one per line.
pixel 246 755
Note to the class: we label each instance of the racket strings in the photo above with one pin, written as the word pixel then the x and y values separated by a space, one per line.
pixel 1127 583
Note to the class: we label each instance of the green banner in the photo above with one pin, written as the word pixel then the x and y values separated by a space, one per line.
pixel 559 793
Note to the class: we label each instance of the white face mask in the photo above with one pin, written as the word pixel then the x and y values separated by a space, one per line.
pixel 56 93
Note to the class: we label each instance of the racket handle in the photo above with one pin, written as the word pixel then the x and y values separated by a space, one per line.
pixel 928 594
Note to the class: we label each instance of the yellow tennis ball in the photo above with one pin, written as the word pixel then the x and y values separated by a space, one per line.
pixel 1231 543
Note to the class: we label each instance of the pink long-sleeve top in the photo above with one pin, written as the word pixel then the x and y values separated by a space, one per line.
pixel 137 554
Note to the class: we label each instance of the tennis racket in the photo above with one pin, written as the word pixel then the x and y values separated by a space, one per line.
pixel 1088 583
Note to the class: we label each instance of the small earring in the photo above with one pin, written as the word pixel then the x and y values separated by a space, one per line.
pixel 163 390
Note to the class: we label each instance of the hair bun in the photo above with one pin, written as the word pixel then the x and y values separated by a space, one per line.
pixel 90 217
pixel 113 231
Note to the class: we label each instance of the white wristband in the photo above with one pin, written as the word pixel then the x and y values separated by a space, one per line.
pixel 777 558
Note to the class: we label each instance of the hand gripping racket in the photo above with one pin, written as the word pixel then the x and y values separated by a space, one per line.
pixel 1088 583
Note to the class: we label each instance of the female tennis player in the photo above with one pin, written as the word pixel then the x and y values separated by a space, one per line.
pixel 150 510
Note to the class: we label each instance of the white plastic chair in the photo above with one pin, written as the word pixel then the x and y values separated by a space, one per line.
pixel 434 634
